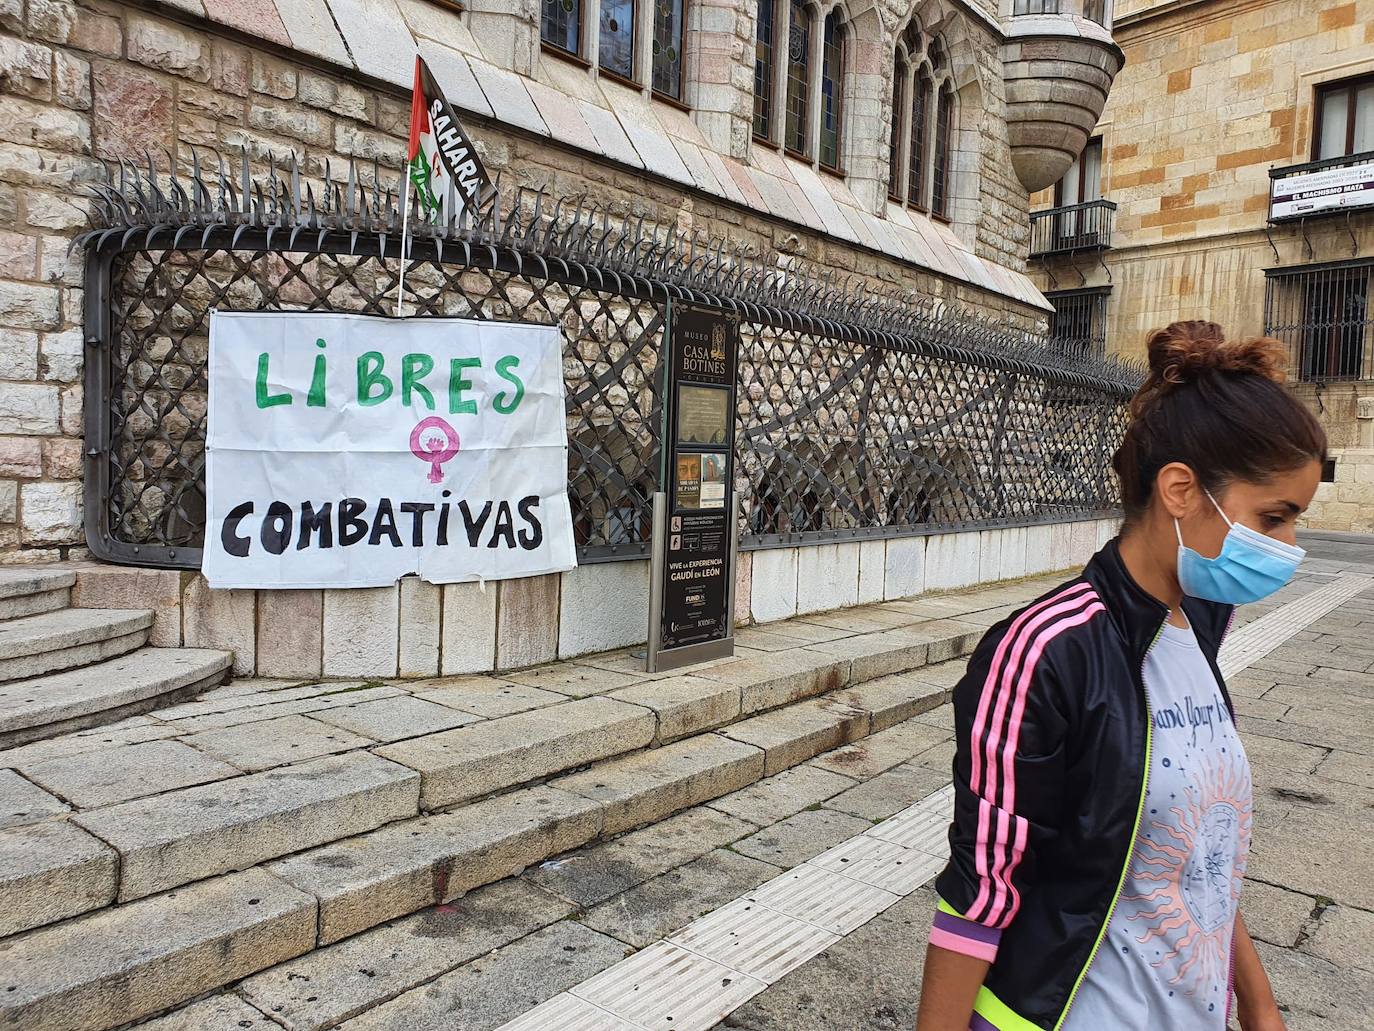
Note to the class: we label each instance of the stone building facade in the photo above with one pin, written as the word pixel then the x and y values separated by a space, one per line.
pixel 1168 215
pixel 95 81
pixel 894 142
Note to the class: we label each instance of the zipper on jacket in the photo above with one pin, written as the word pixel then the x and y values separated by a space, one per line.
pixel 1135 831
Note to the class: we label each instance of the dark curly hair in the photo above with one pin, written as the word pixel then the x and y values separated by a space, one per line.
pixel 1218 406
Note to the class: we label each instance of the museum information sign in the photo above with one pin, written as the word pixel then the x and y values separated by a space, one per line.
pixel 694 548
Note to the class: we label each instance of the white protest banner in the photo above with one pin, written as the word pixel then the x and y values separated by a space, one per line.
pixel 350 450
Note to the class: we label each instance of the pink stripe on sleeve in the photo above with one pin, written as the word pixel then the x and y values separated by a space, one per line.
pixel 1005 864
pixel 958 943
pixel 994 671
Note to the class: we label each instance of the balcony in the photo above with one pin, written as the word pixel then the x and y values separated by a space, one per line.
pixel 1321 188
pixel 1072 229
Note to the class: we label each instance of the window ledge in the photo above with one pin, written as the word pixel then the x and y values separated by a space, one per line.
pixel 671 101
pixel 554 50
pixel 602 73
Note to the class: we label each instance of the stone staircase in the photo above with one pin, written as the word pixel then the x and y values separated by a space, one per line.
pixel 64 669
pixel 164 856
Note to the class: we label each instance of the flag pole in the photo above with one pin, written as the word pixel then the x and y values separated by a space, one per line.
pixel 405 225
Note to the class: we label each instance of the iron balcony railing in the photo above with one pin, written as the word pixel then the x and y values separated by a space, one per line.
pixel 1325 314
pixel 859 415
pixel 1316 189
pixel 1072 228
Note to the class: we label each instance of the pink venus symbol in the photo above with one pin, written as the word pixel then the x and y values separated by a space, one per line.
pixel 434 441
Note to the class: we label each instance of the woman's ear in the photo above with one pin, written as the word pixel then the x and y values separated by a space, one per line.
pixel 1176 487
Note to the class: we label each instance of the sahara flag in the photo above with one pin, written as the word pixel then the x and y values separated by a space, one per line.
pixel 441 152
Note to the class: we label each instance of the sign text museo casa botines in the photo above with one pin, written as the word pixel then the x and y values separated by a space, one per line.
pixel 349 451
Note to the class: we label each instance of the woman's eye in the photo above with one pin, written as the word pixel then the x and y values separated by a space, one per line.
pixel 1272 522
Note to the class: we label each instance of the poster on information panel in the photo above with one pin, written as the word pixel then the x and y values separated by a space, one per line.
pixel 350 450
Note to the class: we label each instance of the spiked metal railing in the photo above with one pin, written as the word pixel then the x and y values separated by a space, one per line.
pixel 862 413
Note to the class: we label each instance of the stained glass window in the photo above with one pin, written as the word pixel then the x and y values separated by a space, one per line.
pixel 798 76
pixel 894 146
pixel 617 52
pixel 667 72
pixel 832 86
pixel 561 25
pixel 944 127
pixel 916 169
pixel 763 70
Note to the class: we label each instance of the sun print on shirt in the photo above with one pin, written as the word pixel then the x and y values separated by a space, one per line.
pixel 1189 864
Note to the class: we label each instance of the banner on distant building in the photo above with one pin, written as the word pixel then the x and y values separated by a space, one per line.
pixel 441 155
pixel 1308 193
pixel 349 451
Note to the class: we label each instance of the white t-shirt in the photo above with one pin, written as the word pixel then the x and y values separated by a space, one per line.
pixel 1166 959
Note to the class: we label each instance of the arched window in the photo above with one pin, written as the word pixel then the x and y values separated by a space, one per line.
pixel 623 29
pixel 923 117
pixel 617 39
pixel 764 45
pixel 800 50
pixel 667 48
pixel 920 133
pixel 832 87
pixel 561 25
pixel 798 77
pixel 944 128
pixel 894 146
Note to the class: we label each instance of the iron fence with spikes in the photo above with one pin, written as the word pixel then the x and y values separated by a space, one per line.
pixel 862 413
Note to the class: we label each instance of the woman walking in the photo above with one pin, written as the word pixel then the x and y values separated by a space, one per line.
pixel 1102 796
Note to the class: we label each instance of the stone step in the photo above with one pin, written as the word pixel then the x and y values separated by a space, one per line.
pixel 345 867
pixel 58 703
pixel 120 964
pixel 468 762
pixel 361 882
pixel 28 592
pixel 52 870
pixel 405 866
pixel 34 645
pixel 182 836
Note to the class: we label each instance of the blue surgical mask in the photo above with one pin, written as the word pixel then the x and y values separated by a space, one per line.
pixel 1251 566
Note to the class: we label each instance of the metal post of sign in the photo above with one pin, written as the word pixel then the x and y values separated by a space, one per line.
pixel 657 565
pixel 734 567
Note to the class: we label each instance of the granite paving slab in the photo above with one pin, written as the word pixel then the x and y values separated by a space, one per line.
pixel 94 779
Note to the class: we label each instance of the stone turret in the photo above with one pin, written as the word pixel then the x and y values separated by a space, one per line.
pixel 1058 68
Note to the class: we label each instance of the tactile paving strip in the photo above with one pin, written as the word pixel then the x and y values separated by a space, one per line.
pixel 703 972
pixel 1257 639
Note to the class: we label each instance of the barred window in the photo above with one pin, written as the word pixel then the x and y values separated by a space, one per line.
pixel 1079 323
pixel 944 129
pixel 765 27
pixel 916 161
pixel 894 146
pixel 1344 119
pixel 667 48
pixel 1036 7
pixel 616 53
pixel 1095 10
pixel 1325 314
pixel 832 85
pixel 798 77
pixel 561 25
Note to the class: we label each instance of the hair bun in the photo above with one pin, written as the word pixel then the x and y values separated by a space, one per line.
pixel 1183 351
